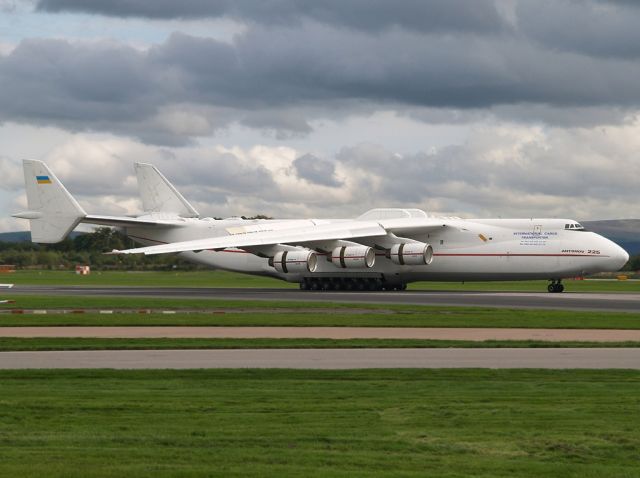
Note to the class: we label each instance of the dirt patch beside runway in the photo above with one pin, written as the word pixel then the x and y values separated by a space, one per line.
pixel 473 334
pixel 553 358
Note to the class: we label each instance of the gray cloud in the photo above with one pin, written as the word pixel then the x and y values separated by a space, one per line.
pixel 297 62
pixel 420 15
pixel 316 170
pixel 600 29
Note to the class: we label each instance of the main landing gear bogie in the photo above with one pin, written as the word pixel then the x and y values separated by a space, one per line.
pixel 348 284
pixel 555 286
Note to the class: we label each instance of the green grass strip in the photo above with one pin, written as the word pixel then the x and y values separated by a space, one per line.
pixel 74 343
pixel 436 423
pixel 392 316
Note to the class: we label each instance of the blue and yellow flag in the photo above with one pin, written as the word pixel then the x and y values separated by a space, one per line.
pixel 43 179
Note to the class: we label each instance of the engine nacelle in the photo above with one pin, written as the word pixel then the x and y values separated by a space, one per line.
pixel 411 254
pixel 295 261
pixel 353 257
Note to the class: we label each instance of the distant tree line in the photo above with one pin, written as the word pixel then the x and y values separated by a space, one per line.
pixel 633 264
pixel 87 249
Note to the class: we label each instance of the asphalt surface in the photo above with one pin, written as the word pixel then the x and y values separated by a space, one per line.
pixel 338 333
pixel 621 302
pixel 555 358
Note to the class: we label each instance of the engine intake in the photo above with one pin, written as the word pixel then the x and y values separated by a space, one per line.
pixel 353 257
pixel 295 261
pixel 411 254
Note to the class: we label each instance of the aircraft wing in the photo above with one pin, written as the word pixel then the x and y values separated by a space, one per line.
pixel 325 232
pixel 346 231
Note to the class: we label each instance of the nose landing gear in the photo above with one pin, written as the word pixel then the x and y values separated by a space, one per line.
pixel 555 286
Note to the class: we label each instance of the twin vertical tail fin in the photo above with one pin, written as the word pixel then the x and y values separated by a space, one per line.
pixel 158 194
pixel 53 213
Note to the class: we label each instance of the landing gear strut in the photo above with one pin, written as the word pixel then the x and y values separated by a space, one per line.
pixel 359 284
pixel 555 286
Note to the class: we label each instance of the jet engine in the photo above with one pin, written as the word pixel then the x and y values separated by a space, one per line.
pixel 411 254
pixel 353 257
pixel 295 261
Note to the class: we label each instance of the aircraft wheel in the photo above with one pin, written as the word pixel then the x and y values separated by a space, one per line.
pixel 314 285
pixel 304 285
pixel 555 287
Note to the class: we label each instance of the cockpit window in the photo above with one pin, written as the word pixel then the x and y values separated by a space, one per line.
pixel 575 226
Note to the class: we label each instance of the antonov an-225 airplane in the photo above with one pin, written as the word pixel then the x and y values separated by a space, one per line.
pixel 383 249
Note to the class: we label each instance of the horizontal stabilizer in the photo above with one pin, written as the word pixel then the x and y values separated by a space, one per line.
pixel 118 221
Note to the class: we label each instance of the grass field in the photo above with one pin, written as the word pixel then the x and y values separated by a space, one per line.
pixel 74 343
pixel 230 279
pixel 436 423
pixel 320 423
pixel 324 314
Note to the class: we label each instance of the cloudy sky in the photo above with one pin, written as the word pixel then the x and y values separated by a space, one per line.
pixel 327 108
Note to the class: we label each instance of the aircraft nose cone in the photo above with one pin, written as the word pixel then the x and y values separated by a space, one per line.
pixel 625 256
pixel 619 256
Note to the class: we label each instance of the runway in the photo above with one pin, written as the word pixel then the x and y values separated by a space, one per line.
pixel 554 358
pixel 621 302
pixel 337 333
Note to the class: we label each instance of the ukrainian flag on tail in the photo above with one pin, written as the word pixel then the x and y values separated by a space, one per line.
pixel 43 179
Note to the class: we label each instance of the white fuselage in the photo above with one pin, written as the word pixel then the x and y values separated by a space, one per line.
pixel 465 250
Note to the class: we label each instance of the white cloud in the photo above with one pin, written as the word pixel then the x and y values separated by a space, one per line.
pixel 505 169
pixel 6 48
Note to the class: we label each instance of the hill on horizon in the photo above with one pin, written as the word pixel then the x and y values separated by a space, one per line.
pixel 624 232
